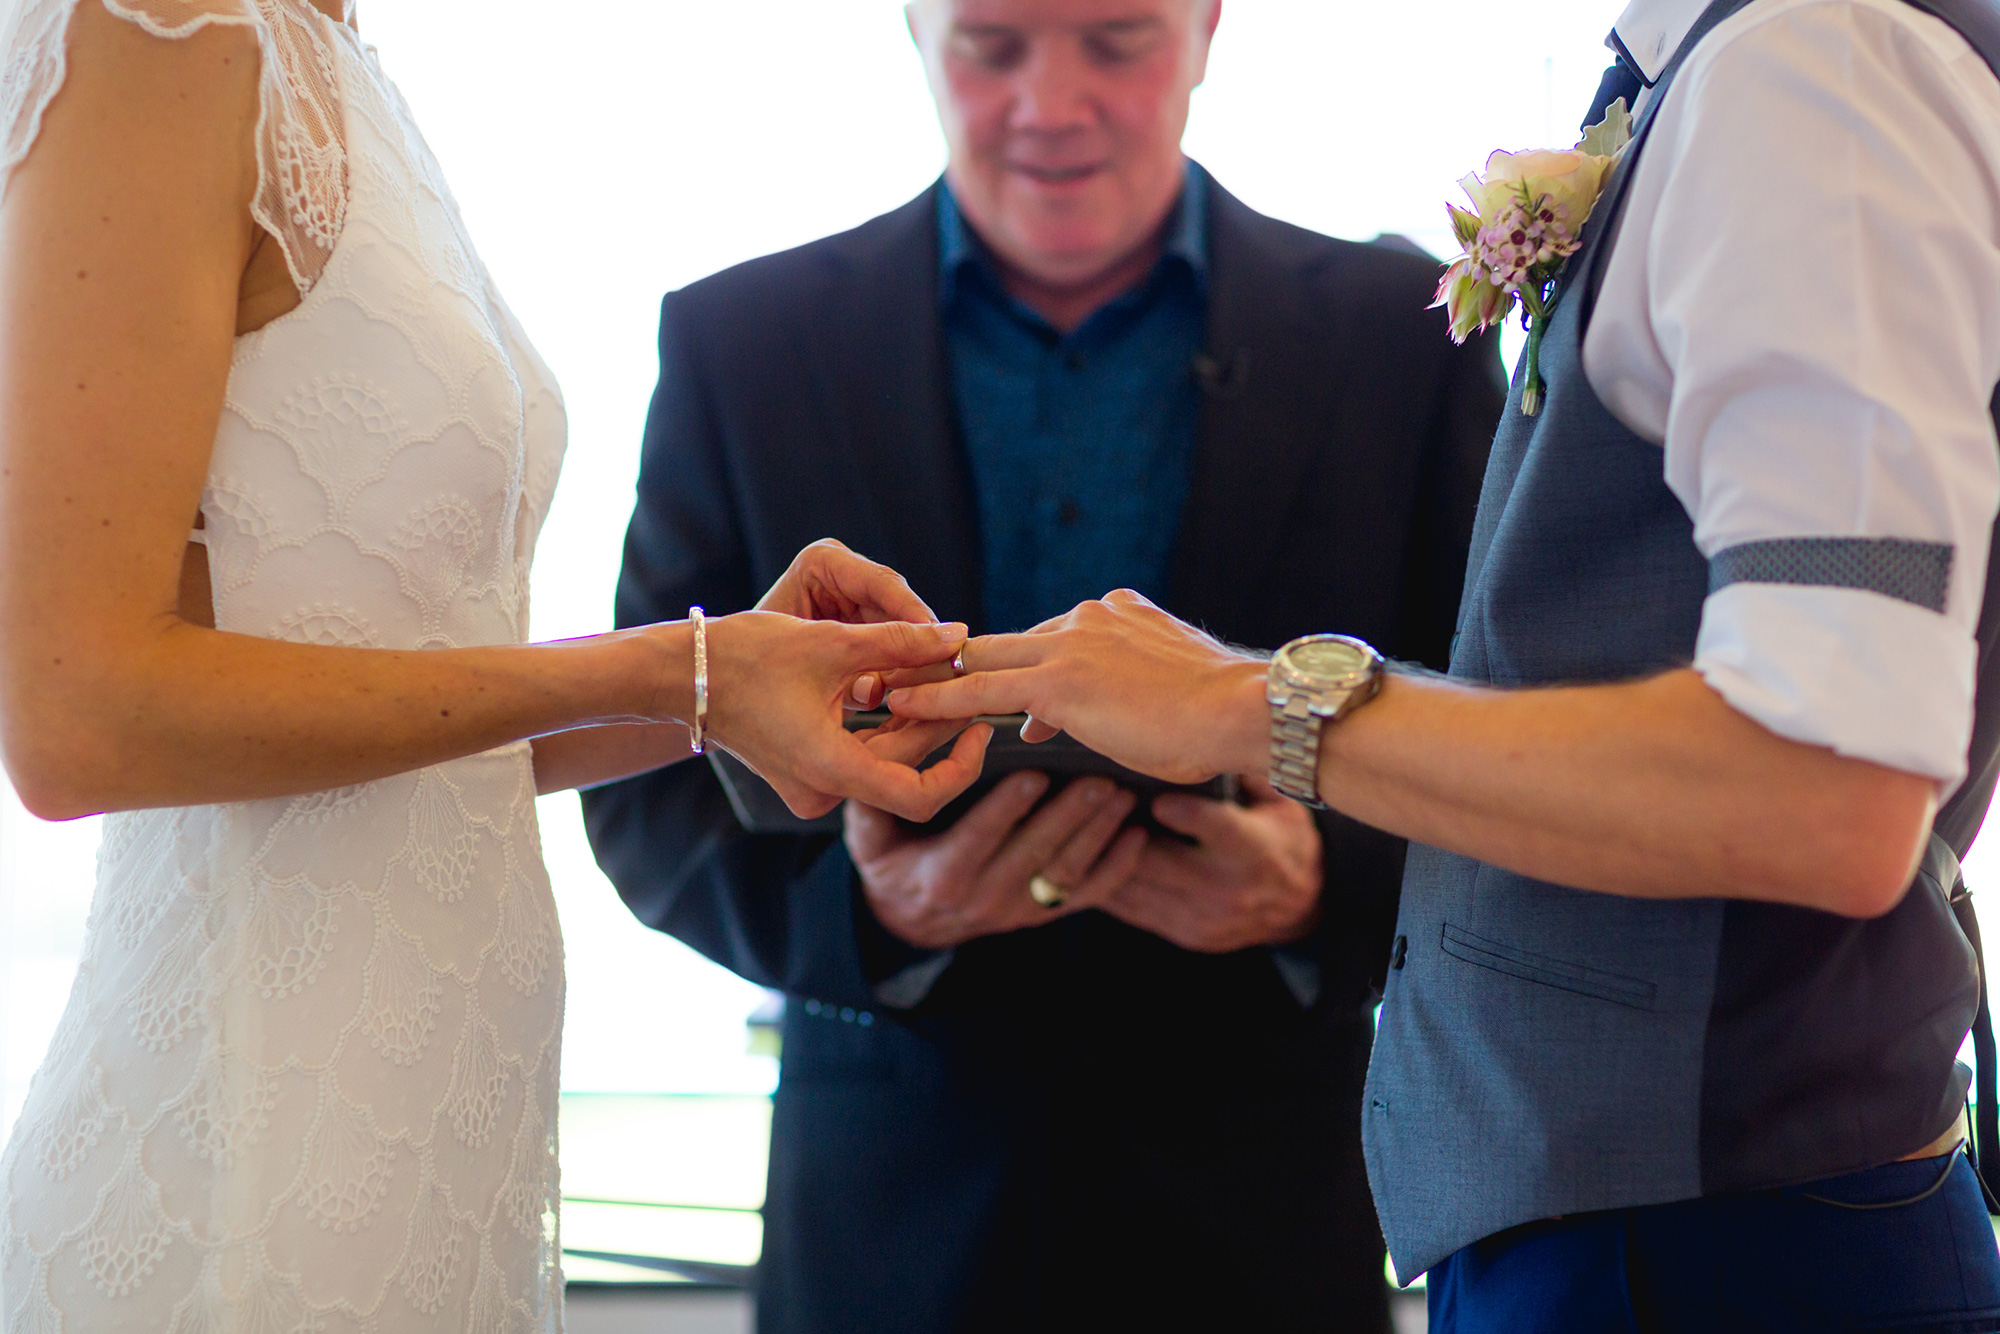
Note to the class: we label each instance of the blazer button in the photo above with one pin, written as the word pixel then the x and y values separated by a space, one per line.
pixel 1402 952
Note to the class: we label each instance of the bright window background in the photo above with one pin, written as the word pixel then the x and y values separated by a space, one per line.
pixel 605 156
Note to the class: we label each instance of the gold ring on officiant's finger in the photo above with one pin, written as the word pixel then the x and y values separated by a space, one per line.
pixel 958 663
pixel 1047 892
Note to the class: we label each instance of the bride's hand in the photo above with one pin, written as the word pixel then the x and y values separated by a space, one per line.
pixel 778 691
pixel 829 582
pixel 1124 678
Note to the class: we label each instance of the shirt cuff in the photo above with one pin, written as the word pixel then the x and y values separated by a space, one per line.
pixel 899 974
pixel 907 989
pixel 1867 676
pixel 1300 972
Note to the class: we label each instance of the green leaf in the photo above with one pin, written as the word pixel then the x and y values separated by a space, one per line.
pixel 1609 136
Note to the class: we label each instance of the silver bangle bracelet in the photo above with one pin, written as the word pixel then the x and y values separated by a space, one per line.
pixel 699 618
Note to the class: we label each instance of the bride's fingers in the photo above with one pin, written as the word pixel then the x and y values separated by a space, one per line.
pixel 968 697
pixel 904 742
pixel 897 788
pixel 893 644
pixel 873 591
pixel 947 780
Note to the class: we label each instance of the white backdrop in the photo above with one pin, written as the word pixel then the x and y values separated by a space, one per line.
pixel 607 153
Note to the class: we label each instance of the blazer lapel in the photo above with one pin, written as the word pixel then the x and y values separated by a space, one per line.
pixel 886 381
pixel 1261 394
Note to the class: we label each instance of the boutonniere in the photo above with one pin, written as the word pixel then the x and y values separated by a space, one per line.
pixel 1526 220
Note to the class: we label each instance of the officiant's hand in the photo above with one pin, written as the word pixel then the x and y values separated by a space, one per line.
pixel 939 891
pixel 1124 678
pixel 1253 877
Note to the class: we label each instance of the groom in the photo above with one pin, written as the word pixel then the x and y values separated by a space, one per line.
pixel 1669 1036
pixel 1077 362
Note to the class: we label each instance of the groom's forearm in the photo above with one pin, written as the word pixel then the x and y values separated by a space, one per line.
pixel 1650 789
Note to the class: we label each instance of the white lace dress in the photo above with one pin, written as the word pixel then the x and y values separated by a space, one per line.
pixel 306 1080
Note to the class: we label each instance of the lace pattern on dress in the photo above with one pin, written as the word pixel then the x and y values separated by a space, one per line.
pixel 301 154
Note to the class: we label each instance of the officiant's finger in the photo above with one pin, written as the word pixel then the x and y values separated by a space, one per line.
pixel 1041 841
pixel 983 693
pixel 1076 858
pixel 1118 865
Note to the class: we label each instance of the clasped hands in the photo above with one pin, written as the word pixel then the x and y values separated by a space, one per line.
pixel 1120 675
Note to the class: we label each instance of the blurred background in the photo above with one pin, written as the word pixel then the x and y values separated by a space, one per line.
pixel 606 154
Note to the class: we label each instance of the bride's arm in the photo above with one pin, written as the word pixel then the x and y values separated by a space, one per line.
pixel 123 243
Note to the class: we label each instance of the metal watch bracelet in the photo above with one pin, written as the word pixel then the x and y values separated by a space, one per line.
pixel 1295 740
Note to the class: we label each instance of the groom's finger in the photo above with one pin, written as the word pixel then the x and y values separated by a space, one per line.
pixel 984 693
pixel 904 677
pixel 999 653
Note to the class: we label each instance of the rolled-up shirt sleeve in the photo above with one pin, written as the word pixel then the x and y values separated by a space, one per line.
pixel 1808 318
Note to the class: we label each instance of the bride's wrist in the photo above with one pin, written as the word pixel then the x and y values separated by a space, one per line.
pixel 658 677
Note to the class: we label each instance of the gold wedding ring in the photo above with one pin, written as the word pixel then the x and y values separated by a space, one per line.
pixel 958 662
pixel 1047 892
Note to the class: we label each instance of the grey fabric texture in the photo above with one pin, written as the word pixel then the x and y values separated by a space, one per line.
pixel 1545 1051
pixel 1918 573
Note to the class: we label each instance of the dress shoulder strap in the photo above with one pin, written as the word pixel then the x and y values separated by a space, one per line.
pixel 301 144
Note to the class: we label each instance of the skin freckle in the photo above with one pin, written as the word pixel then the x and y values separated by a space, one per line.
pixel 81 274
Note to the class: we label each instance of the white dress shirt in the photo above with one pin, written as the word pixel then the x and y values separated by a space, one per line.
pixel 1803 308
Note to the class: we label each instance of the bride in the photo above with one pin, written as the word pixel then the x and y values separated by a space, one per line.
pixel 307 1076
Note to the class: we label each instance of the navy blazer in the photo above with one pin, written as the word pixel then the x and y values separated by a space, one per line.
pixel 1080 1120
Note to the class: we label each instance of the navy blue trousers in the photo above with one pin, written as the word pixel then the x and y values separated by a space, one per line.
pixel 1767 1262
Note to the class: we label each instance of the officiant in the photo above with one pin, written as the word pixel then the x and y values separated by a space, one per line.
pixel 1038 1073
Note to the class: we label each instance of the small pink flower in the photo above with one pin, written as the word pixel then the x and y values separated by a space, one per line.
pixel 1528 215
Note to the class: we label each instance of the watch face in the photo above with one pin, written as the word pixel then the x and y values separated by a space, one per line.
pixel 1328 659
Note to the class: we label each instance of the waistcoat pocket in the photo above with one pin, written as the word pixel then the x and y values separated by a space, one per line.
pixel 1529 966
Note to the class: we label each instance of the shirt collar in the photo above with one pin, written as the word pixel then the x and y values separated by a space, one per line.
pixel 1650 32
pixel 1187 239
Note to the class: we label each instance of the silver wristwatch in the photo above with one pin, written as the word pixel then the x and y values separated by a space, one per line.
pixel 1314 681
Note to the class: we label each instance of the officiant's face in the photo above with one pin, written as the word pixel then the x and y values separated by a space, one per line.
pixel 1064 120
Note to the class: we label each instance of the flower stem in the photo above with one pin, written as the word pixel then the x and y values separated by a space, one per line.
pixel 1538 324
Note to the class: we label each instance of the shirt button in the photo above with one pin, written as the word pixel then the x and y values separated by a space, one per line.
pixel 1402 952
pixel 1069 514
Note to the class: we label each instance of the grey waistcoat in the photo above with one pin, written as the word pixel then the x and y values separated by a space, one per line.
pixel 1545 1051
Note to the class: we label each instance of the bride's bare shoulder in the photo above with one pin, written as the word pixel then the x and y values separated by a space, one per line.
pixel 188 103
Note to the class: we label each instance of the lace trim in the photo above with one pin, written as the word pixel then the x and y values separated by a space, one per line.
pixel 301 147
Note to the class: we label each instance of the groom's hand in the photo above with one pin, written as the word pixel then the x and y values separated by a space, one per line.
pixel 1253 876
pixel 1123 677
pixel 939 891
